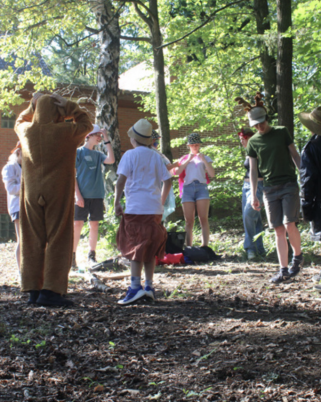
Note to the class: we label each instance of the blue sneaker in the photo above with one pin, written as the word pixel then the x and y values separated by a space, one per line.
pixel 150 292
pixel 132 295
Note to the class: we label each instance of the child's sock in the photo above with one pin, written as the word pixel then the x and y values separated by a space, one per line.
pixel 135 282
pixel 149 283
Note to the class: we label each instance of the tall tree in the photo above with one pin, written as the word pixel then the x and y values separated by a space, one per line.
pixel 284 65
pixel 28 30
pixel 107 75
pixel 149 14
pixel 268 61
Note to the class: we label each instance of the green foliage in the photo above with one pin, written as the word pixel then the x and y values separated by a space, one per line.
pixel 73 64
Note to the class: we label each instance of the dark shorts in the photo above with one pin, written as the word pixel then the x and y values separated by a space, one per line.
pixel 94 207
pixel 282 204
pixel 14 216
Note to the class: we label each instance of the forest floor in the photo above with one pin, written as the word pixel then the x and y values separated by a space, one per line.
pixel 218 332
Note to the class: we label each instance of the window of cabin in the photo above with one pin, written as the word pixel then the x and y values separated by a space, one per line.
pixel 8 121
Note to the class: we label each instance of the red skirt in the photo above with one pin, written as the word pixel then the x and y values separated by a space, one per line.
pixel 141 237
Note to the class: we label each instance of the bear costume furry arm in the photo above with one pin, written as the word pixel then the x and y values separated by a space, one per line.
pixel 81 128
pixel 83 125
pixel 24 120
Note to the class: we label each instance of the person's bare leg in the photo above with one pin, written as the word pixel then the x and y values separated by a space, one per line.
pixel 77 230
pixel 93 234
pixel 282 246
pixel 149 270
pixel 202 211
pixel 17 229
pixel 294 237
pixel 189 215
pixel 136 268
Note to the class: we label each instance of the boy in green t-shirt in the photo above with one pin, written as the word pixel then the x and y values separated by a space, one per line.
pixel 272 151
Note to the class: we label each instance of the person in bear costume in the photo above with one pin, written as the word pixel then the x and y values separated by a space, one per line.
pixel 49 146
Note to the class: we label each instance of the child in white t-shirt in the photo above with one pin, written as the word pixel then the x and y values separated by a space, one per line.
pixel 193 174
pixel 141 236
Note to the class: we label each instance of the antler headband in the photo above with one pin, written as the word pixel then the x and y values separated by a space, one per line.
pixel 247 106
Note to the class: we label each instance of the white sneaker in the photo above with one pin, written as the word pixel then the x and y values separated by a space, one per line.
pixel 150 292
pixel 251 255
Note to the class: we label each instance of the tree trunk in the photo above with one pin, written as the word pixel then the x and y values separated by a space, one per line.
pixel 160 89
pixel 107 79
pixel 261 9
pixel 284 66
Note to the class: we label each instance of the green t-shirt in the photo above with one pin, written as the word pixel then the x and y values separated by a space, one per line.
pixel 274 159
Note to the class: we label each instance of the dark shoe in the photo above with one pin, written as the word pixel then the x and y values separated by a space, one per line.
pixel 296 265
pixel 33 296
pixel 282 276
pixel 92 257
pixel 74 262
pixel 316 278
pixel 50 298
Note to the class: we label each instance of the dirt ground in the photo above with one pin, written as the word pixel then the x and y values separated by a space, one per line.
pixel 217 332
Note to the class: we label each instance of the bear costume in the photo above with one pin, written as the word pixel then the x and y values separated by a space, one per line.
pixel 47 195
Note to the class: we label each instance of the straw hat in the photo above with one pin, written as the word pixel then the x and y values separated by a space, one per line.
pixel 312 120
pixel 141 131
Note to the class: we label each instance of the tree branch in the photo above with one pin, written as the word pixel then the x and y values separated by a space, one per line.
pixel 135 39
pixel 41 23
pixel 143 16
pixel 138 2
pixel 92 30
pixel 28 7
pixel 245 64
pixel 200 26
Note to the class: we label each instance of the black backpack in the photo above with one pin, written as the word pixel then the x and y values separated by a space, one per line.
pixel 200 254
pixel 175 242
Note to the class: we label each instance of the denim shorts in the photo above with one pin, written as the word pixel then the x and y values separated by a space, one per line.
pixel 94 207
pixel 14 216
pixel 195 191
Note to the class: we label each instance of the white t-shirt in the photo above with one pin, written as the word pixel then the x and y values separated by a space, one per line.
pixel 195 170
pixel 145 171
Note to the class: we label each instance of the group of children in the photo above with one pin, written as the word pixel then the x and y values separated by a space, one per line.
pixel 50 228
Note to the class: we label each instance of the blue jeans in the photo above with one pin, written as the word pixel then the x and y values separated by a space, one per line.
pixel 252 219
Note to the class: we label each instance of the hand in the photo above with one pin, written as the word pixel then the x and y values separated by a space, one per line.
pixel 201 157
pixel 105 134
pixel 80 201
pixel 118 209
pixel 35 97
pixel 60 101
pixel 255 203
pixel 190 157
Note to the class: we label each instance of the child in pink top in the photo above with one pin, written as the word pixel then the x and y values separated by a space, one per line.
pixel 194 172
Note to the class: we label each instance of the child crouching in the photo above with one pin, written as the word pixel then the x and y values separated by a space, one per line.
pixel 141 236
